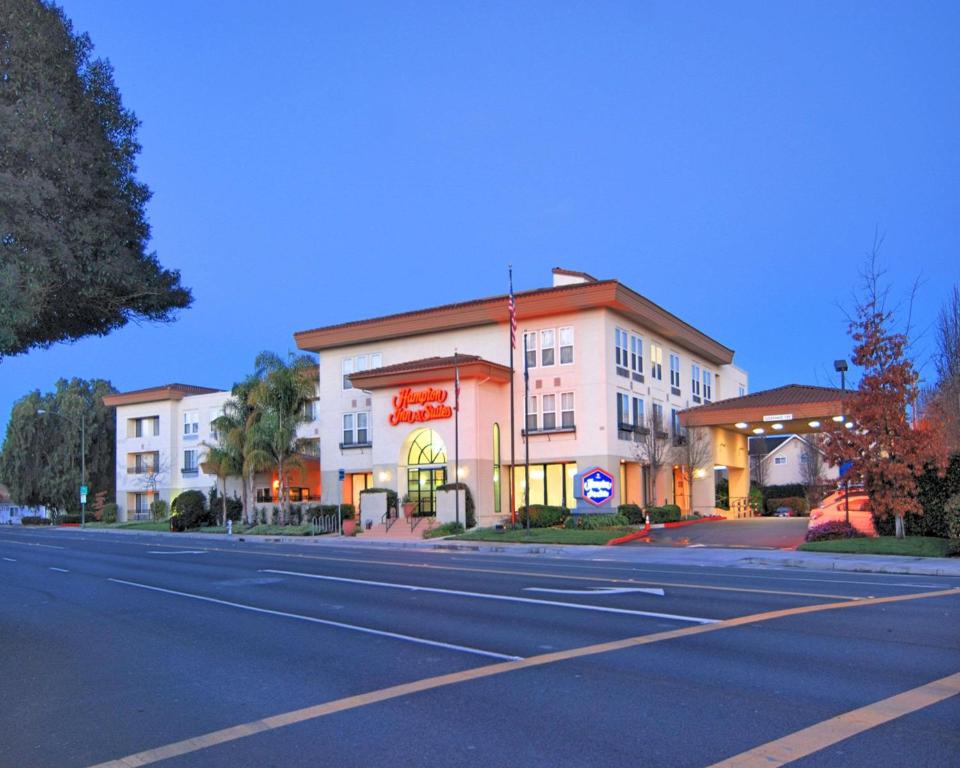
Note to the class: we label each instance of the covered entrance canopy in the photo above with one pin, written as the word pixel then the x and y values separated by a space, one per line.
pixel 791 409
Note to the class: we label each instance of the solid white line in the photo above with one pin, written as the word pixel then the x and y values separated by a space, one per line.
pixel 177 552
pixel 505 598
pixel 598 591
pixel 325 622
pixel 9 559
pixel 60 570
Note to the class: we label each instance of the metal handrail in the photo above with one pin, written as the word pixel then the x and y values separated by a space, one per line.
pixel 388 521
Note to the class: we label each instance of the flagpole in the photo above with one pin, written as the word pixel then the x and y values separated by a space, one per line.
pixel 526 437
pixel 513 410
pixel 456 438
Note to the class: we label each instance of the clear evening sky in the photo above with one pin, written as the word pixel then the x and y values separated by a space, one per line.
pixel 318 162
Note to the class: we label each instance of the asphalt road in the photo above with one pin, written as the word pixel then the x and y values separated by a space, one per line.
pixel 750 533
pixel 189 653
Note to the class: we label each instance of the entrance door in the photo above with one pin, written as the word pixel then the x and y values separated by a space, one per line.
pixel 422 484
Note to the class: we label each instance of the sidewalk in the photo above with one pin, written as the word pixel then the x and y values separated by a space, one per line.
pixel 716 557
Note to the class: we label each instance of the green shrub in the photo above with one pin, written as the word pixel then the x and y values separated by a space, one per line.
pixel 797 503
pixel 593 522
pixel 786 491
pixel 347 512
pixel 189 510
pixel 470 513
pixel 158 509
pixel 633 513
pixel 668 513
pixel 69 519
pixel 35 520
pixel 952 515
pixel 541 516
pixel 833 529
pixel 109 514
pixel 447 529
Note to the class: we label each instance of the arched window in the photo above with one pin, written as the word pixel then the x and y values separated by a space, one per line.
pixel 427 448
pixel 496 468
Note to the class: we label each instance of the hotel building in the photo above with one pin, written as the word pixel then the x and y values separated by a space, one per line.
pixel 605 364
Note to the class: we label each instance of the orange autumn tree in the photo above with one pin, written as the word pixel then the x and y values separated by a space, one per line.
pixel 885 449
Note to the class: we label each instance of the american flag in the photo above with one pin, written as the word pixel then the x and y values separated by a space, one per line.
pixel 513 315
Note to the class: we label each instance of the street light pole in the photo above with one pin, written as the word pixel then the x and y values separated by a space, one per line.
pixel 840 366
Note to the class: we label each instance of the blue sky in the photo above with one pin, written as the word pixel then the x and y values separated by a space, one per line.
pixel 317 162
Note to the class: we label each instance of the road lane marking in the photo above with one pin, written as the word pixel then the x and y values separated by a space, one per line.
pixel 597 591
pixel 502 598
pixel 9 559
pixel 30 544
pixel 325 622
pixel 177 552
pixel 822 735
pixel 60 570
pixel 225 735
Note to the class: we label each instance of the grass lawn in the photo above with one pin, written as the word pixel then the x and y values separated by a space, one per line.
pixel 545 535
pixel 912 546
pixel 136 525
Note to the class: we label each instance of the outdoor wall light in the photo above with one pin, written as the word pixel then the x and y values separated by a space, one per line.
pixel 838 419
pixel 461 473
pixel 814 424
pixel 759 431
pixel 741 425
pixel 384 476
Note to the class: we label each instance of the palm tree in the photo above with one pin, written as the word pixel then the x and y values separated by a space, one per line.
pixel 219 460
pixel 277 401
pixel 232 426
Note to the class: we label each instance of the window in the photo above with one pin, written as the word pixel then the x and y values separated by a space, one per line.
pixel 636 357
pixel 548 347
pixel 191 422
pixel 356 428
pixel 695 382
pixel 376 360
pixel 804 459
pixel 530 348
pixel 675 427
pixel 347 371
pixel 656 362
pixel 620 341
pixel 741 390
pixel 623 410
pixel 264 495
pixel 566 410
pixel 658 416
pixel 549 411
pixel 141 504
pixel 779 459
pixel 566 345
pixel 148 426
pixel 674 374
pixel 496 468
pixel 190 460
pixel 707 386
pixel 532 413
pixel 638 412
pixel 310 410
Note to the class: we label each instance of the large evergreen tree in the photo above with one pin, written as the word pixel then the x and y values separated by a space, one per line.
pixel 41 456
pixel 73 226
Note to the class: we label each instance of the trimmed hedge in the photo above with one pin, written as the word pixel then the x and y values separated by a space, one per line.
pixel 347 512
pixel 158 509
pixel 833 529
pixel 633 513
pixel 952 513
pixel 595 522
pixel 35 520
pixel 68 519
pixel 786 491
pixel 393 498
pixel 668 513
pixel 109 513
pixel 470 514
pixel 541 516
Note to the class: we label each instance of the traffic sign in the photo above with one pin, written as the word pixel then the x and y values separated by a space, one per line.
pixel 83 498
pixel 83 490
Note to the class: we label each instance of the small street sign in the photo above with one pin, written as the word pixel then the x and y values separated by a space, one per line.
pixel 342 474
pixel 83 490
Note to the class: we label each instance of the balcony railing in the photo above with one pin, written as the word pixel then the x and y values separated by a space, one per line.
pixel 141 470
pixel 190 471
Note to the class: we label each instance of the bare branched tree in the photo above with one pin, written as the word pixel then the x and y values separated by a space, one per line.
pixel 813 467
pixel 652 447
pixel 693 452
pixel 942 402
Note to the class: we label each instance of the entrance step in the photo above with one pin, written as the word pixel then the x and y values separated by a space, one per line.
pixel 400 530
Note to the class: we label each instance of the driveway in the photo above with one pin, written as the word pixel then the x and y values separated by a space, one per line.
pixel 753 533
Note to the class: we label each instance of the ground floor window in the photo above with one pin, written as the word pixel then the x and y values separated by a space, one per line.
pixel 359 481
pixel 422 485
pixel 264 495
pixel 550 484
pixel 496 469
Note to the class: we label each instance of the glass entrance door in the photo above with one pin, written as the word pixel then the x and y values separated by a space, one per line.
pixel 422 485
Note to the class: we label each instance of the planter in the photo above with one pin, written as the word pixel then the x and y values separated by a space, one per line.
pixel 349 527
pixel 408 507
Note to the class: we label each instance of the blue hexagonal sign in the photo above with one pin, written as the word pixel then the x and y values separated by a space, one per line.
pixel 596 486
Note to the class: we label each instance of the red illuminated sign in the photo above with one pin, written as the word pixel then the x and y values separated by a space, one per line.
pixel 428 405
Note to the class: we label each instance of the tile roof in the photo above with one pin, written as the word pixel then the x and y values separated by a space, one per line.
pixel 424 364
pixel 789 394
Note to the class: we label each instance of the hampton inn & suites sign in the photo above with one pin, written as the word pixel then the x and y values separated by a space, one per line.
pixel 412 406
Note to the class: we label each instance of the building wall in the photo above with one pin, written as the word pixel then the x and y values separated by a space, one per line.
pixel 791 470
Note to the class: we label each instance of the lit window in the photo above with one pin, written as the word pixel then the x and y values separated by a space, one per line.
pixel 566 345
pixel 656 362
pixel 548 346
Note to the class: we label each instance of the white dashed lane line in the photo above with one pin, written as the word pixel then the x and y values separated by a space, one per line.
pixel 9 559
pixel 59 570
